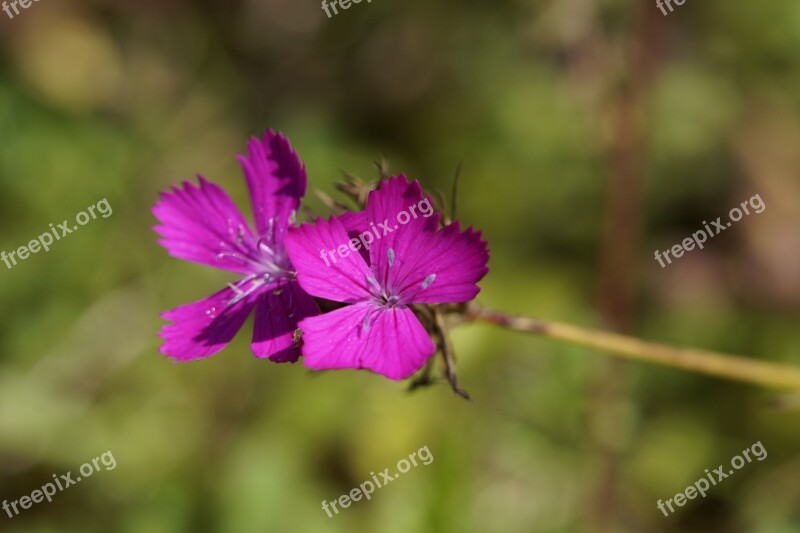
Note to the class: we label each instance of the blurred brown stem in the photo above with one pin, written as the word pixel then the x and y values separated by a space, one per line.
pixel 767 374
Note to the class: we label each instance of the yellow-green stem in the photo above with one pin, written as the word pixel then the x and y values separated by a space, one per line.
pixel 774 375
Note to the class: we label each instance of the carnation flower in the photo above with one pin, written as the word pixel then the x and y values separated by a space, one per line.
pixel 414 262
pixel 203 225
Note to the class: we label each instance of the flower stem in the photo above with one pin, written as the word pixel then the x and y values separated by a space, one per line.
pixel 768 374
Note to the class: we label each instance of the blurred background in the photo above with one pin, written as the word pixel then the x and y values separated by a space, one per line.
pixel 591 133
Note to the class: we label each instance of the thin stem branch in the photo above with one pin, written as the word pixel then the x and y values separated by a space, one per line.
pixel 448 353
pixel 767 374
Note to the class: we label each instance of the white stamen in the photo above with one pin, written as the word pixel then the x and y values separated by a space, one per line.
pixel 372 281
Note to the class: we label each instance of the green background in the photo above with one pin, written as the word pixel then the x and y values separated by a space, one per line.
pixel 546 104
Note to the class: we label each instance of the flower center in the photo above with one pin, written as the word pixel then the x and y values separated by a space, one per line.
pixel 389 301
pixel 266 262
pixel 381 296
pixel 272 261
pixel 262 257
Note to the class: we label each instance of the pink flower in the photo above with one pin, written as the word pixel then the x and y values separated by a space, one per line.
pixel 203 225
pixel 411 261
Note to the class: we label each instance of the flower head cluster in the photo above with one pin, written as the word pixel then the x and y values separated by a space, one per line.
pixel 378 292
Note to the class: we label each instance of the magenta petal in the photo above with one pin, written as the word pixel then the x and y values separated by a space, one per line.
pixel 202 224
pixel 203 328
pixel 444 268
pixel 278 310
pixel 392 195
pixel 354 222
pixel 338 277
pixel 393 209
pixel 276 179
pixel 393 344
